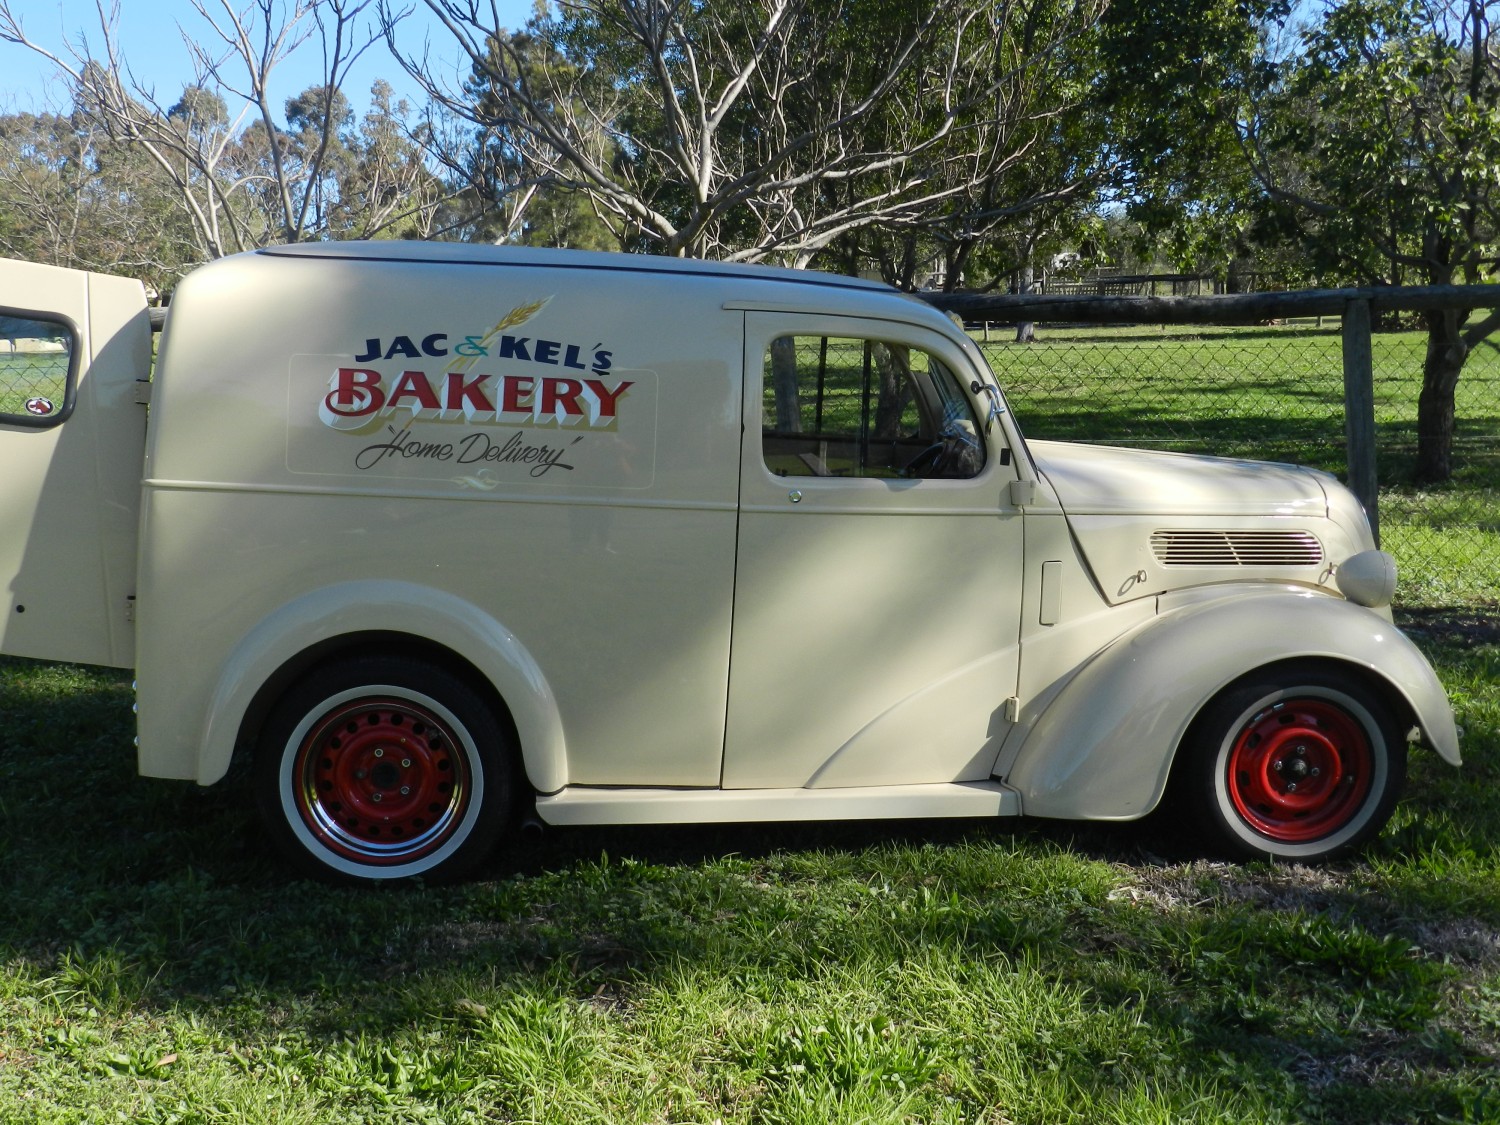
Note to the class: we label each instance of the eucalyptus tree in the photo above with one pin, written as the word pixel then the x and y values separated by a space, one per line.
pixel 71 196
pixel 495 158
pixel 46 166
pixel 763 129
pixel 387 187
pixel 236 175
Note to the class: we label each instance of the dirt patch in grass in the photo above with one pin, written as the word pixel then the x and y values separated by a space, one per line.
pixel 1331 891
pixel 1206 882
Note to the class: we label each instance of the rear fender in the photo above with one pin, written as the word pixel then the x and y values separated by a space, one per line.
pixel 443 619
pixel 1104 746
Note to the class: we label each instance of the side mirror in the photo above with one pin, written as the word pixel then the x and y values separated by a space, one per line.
pixel 993 394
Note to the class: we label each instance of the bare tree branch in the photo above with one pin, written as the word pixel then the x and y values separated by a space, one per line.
pixel 683 120
pixel 240 177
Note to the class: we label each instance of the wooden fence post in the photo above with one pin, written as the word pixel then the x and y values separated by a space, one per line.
pixel 1359 409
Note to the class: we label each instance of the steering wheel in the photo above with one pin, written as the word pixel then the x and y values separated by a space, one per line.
pixel 927 460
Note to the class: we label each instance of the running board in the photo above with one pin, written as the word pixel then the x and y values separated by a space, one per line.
pixel 583 805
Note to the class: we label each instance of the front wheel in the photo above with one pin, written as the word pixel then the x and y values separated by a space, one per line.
pixel 1299 763
pixel 381 768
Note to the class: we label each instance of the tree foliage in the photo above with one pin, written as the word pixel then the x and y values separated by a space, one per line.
pixel 772 129
pixel 70 195
pixel 123 181
pixel 1362 146
pixel 1378 149
pixel 1176 83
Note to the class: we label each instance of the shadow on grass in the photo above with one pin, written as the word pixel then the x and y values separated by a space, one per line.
pixel 1464 627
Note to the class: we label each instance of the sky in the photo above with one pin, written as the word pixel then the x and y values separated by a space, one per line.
pixel 151 44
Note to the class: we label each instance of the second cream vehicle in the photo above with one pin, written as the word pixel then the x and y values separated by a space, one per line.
pixel 439 534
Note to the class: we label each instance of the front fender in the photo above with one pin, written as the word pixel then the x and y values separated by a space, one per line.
pixel 402 607
pixel 1104 746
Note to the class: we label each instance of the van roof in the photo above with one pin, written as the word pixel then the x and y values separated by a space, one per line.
pixel 483 254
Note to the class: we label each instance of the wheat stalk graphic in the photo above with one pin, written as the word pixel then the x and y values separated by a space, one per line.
pixel 517 316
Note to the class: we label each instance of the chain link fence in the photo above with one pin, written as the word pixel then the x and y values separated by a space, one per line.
pixel 1277 393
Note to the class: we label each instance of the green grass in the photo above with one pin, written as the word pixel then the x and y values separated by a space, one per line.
pixel 158 967
pixel 1276 394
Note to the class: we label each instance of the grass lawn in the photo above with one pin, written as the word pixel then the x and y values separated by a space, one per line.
pixel 159 967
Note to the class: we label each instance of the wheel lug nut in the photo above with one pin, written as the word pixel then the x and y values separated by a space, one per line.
pixel 1291 787
pixel 406 791
pixel 406 763
pixel 375 797
pixel 1315 771
pixel 1301 750
pixel 379 753
pixel 1276 765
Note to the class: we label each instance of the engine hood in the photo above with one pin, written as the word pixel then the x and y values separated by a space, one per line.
pixel 1149 523
pixel 1103 480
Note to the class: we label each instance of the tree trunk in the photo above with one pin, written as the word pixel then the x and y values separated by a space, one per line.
pixel 784 385
pixel 1446 353
pixel 893 361
pixel 956 261
pixel 1026 330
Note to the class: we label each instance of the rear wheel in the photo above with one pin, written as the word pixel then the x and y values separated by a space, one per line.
pixel 381 768
pixel 1298 763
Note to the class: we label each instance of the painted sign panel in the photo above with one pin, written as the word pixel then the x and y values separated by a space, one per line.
pixel 512 405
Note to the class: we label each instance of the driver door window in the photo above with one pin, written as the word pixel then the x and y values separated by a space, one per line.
pixel 850 407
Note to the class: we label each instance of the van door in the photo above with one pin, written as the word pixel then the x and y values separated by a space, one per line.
pixel 72 441
pixel 878 583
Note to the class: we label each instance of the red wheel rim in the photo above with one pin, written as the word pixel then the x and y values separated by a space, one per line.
pixel 381 780
pixel 1300 770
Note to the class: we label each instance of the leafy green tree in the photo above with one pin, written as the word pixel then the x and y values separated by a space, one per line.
pixel 1380 149
pixel 1363 147
pixel 1177 82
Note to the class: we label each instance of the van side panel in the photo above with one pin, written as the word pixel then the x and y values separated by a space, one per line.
pixel 71 499
pixel 639 684
pixel 557 448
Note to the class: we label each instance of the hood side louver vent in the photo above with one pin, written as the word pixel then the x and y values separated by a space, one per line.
pixel 1236 548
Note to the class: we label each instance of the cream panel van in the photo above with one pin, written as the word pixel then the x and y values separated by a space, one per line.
pixel 438 535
